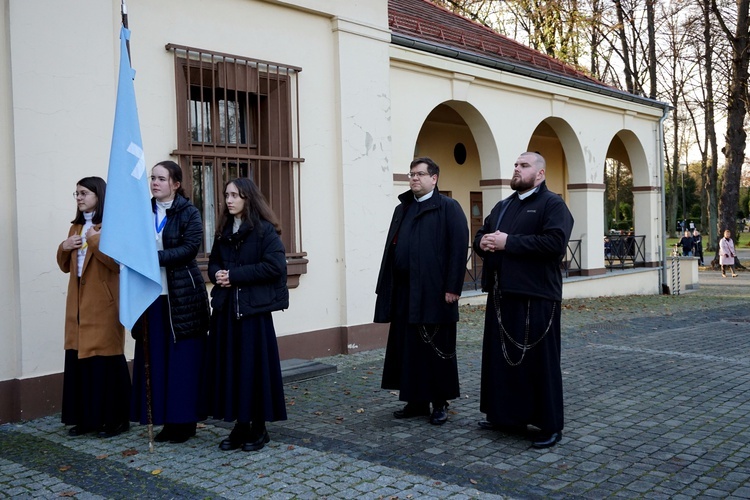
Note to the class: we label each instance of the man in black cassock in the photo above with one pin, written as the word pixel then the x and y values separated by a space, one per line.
pixel 420 281
pixel 523 242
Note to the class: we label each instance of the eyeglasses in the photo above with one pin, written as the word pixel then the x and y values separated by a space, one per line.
pixel 82 194
pixel 411 175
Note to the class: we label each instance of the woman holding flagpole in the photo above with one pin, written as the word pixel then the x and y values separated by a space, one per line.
pixel 248 268
pixel 174 328
pixel 96 381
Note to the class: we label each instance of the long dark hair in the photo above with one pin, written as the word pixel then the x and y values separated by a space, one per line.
pixel 97 186
pixel 175 173
pixel 256 206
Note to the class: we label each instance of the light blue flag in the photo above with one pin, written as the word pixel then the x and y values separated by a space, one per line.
pixel 128 224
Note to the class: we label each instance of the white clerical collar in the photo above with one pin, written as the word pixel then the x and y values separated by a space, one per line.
pixel 425 197
pixel 528 193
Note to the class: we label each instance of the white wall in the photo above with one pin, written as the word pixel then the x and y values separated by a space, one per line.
pixel 10 332
pixel 56 123
pixel 63 91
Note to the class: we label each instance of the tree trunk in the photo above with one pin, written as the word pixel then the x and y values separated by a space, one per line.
pixel 736 137
pixel 625 50
pixel 710 215
pixel 651 49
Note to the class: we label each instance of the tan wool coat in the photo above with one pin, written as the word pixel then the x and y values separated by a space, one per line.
pixel 92 323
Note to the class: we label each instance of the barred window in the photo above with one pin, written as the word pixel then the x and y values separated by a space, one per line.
pixel 238 117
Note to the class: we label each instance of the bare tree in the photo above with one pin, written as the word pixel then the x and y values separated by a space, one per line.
pixel 664 50
pixel 710 150
pixel 736 137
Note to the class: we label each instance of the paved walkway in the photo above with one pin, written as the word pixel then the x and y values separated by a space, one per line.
pixel 657 397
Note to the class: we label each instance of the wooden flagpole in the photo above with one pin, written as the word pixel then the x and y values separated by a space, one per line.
pixel 144 340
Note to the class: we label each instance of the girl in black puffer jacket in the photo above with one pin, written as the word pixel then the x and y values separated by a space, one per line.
pixel 248 268
pixel 177 322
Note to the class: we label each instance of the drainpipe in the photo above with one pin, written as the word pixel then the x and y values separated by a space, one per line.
pixel 659 144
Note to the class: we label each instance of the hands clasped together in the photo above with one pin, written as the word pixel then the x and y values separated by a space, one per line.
pixel 75 241
pixel 493 241
pixel 222 278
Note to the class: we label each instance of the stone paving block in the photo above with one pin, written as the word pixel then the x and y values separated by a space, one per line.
pixel 648 413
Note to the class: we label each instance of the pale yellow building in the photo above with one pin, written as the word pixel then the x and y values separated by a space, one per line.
pixel 324 103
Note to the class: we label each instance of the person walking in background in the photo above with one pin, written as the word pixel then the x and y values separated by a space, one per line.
pixel 726 254
pixel 523 242
pixel 698 246
pixel 96 380
pixel 175 326
pixel 687 243
pixel 248 268
pixel 420 282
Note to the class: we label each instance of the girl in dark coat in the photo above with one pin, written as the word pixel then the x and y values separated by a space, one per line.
pixel 177 322
pixel 248 267
pixel 96 381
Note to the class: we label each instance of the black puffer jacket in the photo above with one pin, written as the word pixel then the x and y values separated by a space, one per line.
pixel 188 299
pixel 256 261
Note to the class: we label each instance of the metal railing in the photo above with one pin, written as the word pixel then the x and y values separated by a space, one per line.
pixel 473 276
pixel 623 251
pixel 572 260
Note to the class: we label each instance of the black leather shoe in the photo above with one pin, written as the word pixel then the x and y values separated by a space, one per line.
pixel 547 440
pixel 78 430
pixel 489 426
pixel 412 410
pixel 258 444
pixel 164 435
pixel 181 432
pixel 112 430
pixel 439 416
pixel 508 429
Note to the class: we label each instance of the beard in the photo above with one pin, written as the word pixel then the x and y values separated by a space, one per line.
pixel 518 184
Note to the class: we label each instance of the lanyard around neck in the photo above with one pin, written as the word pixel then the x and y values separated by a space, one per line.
pixel 159 225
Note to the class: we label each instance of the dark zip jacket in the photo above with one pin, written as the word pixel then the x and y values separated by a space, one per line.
pixel 256 261
pixel 538 230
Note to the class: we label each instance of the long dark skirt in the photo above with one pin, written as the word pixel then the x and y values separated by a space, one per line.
pixel 420 360
pixel 96 390
pixel 245 372
pixel 177 373
pixel 532 391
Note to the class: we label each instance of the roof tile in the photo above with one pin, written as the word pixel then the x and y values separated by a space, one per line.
pixel 425 21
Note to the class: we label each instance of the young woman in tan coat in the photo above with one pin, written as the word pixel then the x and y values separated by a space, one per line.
pixel 96 386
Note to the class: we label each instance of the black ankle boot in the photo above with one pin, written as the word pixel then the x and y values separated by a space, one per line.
pixel 238 437
pixel 258 436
